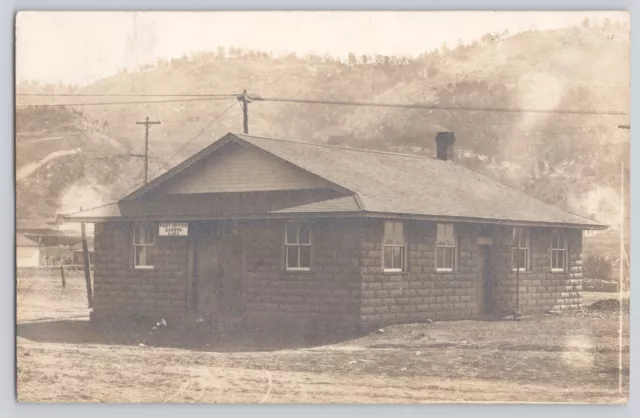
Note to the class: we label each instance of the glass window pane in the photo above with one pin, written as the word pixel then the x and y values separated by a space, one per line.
pixel 136 254
pixel 449 237
pixel 148 255
pixel 305 256
pixel 448 261
pixel 136 234
pixel 397 257
pixel 388 232
pixel 440 240
pixel 439 258
pixel 388 257
pixel 292 233
pixel 554 259
pixel 398 233
pixel 303 233
pixel 149 234
pixel 292 256
pixel 519 256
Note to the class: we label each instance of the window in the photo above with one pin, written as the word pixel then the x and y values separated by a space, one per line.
pixel 297 242
pixel 558 251
pixel 520 250
pixel 143 240
pixel 446 248
pixel 393 255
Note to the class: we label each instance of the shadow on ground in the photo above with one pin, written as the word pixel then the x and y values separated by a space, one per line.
pixel 191 338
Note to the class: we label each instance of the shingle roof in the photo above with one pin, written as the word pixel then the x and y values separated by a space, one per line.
pixel 416 185
pixel 389 183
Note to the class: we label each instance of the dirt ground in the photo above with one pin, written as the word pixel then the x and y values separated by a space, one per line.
pixel 572 357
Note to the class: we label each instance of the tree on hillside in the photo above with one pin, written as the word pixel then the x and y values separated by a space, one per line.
pixel 364 59
pixel 586 23
pixel 351 59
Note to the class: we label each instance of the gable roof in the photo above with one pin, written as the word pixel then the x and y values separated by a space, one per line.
pixel 386 183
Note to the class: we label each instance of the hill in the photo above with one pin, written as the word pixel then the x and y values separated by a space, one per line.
pixel 569 159
pixel 63 162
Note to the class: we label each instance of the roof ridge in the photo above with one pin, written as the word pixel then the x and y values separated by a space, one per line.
pixel 399 154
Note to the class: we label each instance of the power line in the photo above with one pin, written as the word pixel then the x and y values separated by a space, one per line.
pixel 435 107
pixel 125 103
pixel 176 153
pixel 124 95
pixel 425 106
pixel 196 136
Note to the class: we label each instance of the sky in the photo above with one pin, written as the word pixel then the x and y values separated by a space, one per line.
pixel 82 47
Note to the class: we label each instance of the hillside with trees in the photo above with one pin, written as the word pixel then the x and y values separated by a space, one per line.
pixel 571 159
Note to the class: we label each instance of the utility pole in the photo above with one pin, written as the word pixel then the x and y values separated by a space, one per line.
pixel 146 124
pixel 87 268
pixel 517 236
pixel 244 101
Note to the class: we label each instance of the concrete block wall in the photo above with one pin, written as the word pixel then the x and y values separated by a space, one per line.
pixel 541 290
pixel 120 289
pixel 421 292
pixel 330 292
pixel 346 285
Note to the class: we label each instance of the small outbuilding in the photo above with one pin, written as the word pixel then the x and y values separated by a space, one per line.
pixel 77 252
pixel 280 233
pixel 27 252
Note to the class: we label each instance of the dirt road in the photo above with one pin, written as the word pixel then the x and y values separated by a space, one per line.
pixel 567 358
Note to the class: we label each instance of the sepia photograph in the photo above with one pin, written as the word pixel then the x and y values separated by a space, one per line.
pixel 322 207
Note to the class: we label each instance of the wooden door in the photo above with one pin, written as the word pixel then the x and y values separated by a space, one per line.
pixel 209 268
pixel 230 295
pixel 220 270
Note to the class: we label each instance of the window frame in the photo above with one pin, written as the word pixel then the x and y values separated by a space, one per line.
pixel 527 247
pixel 403 248
pixel 143 245
pixel 454 267
pixel 296 244
pixel 564 251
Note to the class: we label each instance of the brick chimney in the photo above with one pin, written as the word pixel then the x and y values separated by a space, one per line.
pixel 444 145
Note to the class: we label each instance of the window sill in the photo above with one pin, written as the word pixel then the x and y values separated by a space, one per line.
pixel 144 268
pixel 521 271
pixel 558 271
pixel 299 270
pixel 395 273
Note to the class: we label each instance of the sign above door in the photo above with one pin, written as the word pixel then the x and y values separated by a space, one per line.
pixel 173 230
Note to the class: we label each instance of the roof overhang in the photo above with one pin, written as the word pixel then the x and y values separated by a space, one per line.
pixel 337 214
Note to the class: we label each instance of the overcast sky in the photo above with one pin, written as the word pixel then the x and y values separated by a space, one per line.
pixel 81 47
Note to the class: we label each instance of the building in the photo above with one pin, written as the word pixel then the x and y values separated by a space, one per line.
pixel 277 232
pixel 27 252
pixel 77 252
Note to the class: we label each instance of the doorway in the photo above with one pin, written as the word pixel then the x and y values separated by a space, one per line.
pixel 485 283
pixel 220 261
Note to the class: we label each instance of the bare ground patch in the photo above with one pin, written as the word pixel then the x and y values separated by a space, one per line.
pixel 571 357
